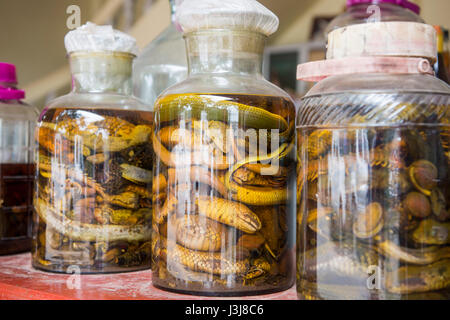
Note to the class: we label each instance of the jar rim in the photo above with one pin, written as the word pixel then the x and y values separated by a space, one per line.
pixel 118 54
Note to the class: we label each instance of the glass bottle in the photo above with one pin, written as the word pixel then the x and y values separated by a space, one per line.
pixel 363 11
pixel 93 196
pixel 17 122
pixel 225 162
pixel 161 64
pixel 373 179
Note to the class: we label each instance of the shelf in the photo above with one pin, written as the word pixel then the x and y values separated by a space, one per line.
pixel 18 280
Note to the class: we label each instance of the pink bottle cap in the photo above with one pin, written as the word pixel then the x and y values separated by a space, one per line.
pixel 8 76
pixel 318 70
pixel 402 3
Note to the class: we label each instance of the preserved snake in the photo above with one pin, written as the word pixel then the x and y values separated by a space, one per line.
pixel 219 190
pixel 94 190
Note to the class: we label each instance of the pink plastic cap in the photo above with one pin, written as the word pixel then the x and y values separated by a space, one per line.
pixel 402 3
pixel 318 70
pixel 8 76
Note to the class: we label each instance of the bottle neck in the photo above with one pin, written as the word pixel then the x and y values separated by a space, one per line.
pixel 225 52
pixel 173 9
pixel 101 72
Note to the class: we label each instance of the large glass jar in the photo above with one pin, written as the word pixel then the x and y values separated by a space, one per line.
pixel 93 197
pixel 161 64
pixel 17 122
pixel 363 11
pixel 374 186
pixel 225 167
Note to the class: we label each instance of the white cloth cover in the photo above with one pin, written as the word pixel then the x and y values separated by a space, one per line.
pixel 93 38
pixel 194 15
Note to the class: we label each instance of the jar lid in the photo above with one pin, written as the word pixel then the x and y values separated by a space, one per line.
pixel 402 3
pixel 93 38
pixel 8 76
pixel 196 15
pixel 393 38
pixel 318 70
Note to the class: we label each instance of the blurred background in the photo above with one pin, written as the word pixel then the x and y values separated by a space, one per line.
pixel 32 34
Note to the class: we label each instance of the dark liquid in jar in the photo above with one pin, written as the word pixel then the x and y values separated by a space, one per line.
pixel 373 216
pixel 16 191
pixel 223 225
pixel 93 198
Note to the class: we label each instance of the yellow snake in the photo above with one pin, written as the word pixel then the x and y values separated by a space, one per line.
pixel 215 108
pixel 414 279
pixel 116 135
pixel 258 196
pixel 215 263
pixel 200 233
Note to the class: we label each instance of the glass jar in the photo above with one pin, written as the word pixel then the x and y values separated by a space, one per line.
pixel 93 196
pixel 374 187
pixel 161 64
pixel 224 173
pixel 17 122
pixel 363 11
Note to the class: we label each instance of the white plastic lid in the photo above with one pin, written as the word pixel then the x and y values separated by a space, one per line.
pixel 93 38
pixel 195 15
pixel 406 39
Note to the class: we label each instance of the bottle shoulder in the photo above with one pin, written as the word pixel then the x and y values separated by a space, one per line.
pixel 380 83
pixel 17 110
pixel 376 99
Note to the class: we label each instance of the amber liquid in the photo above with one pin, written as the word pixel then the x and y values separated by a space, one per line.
pixel 199 247
pixel 93 197
pixel 16 186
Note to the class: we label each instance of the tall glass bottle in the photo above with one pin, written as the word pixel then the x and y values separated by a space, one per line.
pixel 17 123
pixel 93 194
pixel 224 146
pixel 161 64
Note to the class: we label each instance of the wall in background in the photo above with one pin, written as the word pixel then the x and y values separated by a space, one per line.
pixel 300 28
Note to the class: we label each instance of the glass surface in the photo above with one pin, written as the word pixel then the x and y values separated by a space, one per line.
pixel 93 196
pixel 161 64
pixel 373 189
pixel 224 174
pixel 17 122
pixel 367 12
